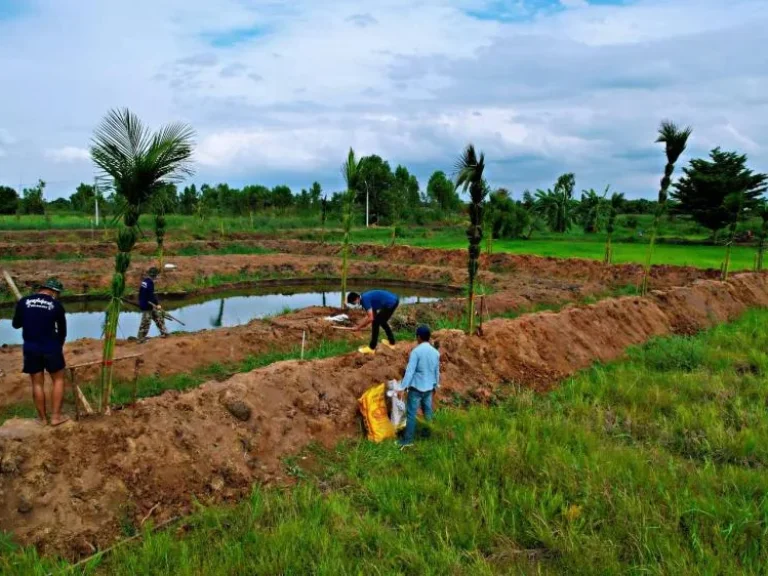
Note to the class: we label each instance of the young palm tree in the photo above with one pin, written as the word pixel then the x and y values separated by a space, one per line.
pixel 617 200
pixel 469 177
pixel 675 140
pixel 350 170
pixel 136 163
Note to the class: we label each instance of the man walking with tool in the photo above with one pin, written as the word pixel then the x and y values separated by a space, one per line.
pixel 44 330
pixel 380 305
pixel 150 307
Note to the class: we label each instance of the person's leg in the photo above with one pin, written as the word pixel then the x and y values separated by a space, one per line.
pixel 426 405
pixel 384 317
pixel 411 407
pixel 58 398
pixel 160 322
pixel 38 394
pixel 146 317
pixel 374 331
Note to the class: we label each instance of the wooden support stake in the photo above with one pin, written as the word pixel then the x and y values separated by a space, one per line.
pixel 303 341
pixel 71 373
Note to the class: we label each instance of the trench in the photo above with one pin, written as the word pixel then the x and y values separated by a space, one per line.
pixel 221 309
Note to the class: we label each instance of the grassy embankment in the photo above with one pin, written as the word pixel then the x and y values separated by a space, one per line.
pixel 654 464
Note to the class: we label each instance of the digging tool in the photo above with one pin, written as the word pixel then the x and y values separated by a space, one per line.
pixel 165 314
pixel 11 285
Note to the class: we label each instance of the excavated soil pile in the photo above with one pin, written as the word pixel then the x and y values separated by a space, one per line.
pixel 68 489
pixel 571 268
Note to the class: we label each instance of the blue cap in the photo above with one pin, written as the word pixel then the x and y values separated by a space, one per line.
pixel 423 332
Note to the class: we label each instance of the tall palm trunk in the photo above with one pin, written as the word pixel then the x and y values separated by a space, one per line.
pixel 469 169
pixel 126 240
pixel 675 141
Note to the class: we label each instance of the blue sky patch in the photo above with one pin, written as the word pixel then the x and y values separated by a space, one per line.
pixel 234 37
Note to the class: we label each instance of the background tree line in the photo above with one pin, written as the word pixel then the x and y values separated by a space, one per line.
pixel 716 193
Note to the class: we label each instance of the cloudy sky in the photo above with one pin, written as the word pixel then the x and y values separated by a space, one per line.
pixel 278 91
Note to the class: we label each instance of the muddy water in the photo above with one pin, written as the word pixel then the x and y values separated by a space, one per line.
pixel 86 319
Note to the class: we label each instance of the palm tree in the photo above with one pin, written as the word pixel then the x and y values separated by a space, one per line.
pixel 135 163
pixel 675 140
pixel 762 212
pixel 615 204
pixel 557 206
pixel 469 177
pixel 350 170
pixel 592 207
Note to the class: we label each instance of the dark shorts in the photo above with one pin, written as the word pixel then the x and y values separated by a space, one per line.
pixel 34 362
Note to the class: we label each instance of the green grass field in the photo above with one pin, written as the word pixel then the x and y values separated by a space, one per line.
pixel 652 465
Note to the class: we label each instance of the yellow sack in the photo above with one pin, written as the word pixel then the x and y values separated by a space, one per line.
pixel 373 406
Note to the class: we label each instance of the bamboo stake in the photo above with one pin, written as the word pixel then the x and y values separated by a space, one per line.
pixel 11 285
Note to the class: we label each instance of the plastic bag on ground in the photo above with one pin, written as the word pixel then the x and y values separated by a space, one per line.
pixel 397 416
pixel 373 407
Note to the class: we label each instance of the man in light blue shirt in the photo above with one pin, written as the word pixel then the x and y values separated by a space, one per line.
pixel 422 378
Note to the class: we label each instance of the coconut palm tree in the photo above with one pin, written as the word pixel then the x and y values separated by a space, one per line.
pixel 135 163
pixel 469 176
pixel 350 170
pixel 675 140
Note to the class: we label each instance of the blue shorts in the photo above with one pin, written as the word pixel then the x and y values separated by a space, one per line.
pixel 35 362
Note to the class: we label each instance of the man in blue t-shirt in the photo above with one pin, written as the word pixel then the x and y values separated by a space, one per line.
pixel 44 330
pixel 150 307
pixel 380 305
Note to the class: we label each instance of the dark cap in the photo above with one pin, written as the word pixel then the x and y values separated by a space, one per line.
pixel 153 272
pixel 53 284
pixel 423 332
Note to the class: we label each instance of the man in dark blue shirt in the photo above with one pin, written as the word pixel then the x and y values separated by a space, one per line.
pixel 380 305
pixel 150 307
pixel 44 330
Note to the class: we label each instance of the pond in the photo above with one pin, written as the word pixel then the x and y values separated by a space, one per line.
pixel 225 309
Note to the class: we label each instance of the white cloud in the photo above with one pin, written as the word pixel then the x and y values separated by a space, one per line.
pixel 579 88
pixel 68 154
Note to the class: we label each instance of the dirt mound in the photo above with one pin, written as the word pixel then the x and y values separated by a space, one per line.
pixel 69 489
pixel 577 269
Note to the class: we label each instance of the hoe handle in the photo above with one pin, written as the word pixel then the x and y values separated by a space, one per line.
pixel 11 284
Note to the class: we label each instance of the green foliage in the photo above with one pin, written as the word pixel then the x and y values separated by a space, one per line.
pixel 508 219
pixel 557 206
pixel 442 192
pixel 33 201
pixel 84 197
pixel 706 185
pixel 9 200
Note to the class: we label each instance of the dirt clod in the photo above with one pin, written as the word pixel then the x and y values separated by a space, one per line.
pixel 239 409
pixel 25 506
